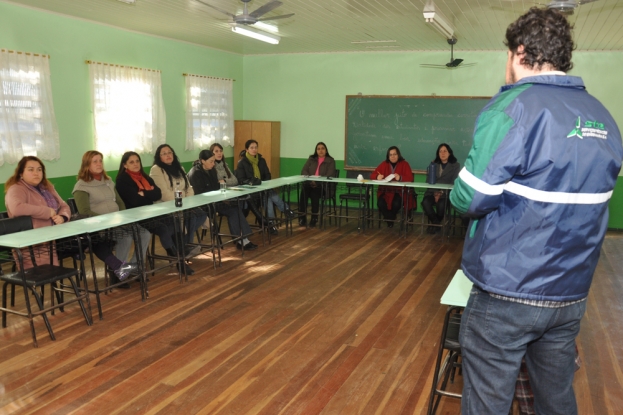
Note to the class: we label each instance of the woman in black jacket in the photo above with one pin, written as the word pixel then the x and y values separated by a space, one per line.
pixel 434 201
pixel 138 189
pixel 318 164
pixel 203 178
pixel 252 169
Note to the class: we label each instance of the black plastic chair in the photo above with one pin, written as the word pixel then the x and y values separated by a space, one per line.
pixel 445 371
pixel 354 194
pixel 35 278
pixel 328 196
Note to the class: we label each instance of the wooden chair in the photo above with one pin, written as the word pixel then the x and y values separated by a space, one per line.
pixel 35 278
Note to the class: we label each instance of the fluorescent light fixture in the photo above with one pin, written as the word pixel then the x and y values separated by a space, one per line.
pixel 127 1
pixel 437 20
pixel 256 34
pixel 372 41
pixel 265 26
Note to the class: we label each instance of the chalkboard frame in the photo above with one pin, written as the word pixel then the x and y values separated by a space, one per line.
pixel 366 168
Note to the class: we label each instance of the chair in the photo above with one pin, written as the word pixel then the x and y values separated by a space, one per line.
pixel 35 278
pixel 329 194
pixel 450 343
pixel 354 194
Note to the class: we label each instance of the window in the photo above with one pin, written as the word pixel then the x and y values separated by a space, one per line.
pixel 209 112
pixel 27 121
pixel 128 110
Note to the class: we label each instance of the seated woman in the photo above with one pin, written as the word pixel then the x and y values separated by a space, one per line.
pixel 95 194
pixel 138 189
pixel 434 201
pixel 389 197
pixel 318 164
pixel 30 193
pixel 169 175
pixel 223 173
pixel 203 177
pixel 252 169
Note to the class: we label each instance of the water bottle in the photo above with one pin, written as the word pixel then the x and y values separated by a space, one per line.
pixel 178 195
pixel 431 173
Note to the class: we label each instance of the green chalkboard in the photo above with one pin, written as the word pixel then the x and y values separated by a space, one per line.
pixel 417 125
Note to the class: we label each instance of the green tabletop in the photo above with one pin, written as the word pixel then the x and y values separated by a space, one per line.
pixel 115 219
pixel 458 290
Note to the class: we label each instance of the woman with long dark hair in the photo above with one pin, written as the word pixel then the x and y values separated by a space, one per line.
pixel 221 169
pixel 389 197
pixel 318 164
pixel 447 170
pixel 169 176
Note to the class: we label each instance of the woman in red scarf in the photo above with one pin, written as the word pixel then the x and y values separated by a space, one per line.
pixel 390 197
pixel 137 189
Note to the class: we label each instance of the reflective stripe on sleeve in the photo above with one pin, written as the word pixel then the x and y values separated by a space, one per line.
pixel 534 194
pixel 479 185
pixel 557 197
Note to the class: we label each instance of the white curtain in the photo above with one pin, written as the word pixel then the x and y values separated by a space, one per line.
pixel 209 112
pixel 27 121
pixel 128 110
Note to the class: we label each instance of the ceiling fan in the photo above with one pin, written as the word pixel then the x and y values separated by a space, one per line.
pixel 454 63
pixel 566 7
pixel 253 17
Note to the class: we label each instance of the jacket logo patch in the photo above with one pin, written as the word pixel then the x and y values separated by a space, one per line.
pixel 589 129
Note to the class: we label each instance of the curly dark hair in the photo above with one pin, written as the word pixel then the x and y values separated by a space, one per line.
pixel 546 37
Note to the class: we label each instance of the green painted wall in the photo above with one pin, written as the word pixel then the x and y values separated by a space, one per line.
pixel 70 42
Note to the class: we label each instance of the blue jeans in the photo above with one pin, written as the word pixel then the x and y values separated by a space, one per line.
pixel 272 198
pixel 496 334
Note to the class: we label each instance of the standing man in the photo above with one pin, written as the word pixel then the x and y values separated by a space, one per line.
pixel 537 181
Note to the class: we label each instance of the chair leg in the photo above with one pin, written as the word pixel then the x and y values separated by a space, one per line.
pixel 4 313
pixel 87 316
pixel 44 315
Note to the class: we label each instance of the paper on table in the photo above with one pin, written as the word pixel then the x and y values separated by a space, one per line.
pixel 386 179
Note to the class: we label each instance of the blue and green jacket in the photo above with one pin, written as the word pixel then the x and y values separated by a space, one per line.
pixel 537 181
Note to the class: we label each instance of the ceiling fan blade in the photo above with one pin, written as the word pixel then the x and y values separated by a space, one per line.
pixel 266 8
pixel 216 8
pixel 581 2
pixel 283 16
pixel 431 65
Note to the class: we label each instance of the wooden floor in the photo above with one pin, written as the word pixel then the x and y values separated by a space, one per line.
pixel 322 322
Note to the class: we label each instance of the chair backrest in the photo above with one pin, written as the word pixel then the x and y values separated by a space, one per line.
pixel 4 215
pixel 72 206
pixel 337 173
pixel 13 225
pixel 352 174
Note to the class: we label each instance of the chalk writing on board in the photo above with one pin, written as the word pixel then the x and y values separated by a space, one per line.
pixel 417 125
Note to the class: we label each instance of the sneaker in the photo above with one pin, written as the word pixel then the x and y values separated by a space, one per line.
pixel 290 214
pixel 303 221
pixel 313 222
pixel 125 270
pixel 113 280
pixel 273 230
pixel 248 247
pixel 191 251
